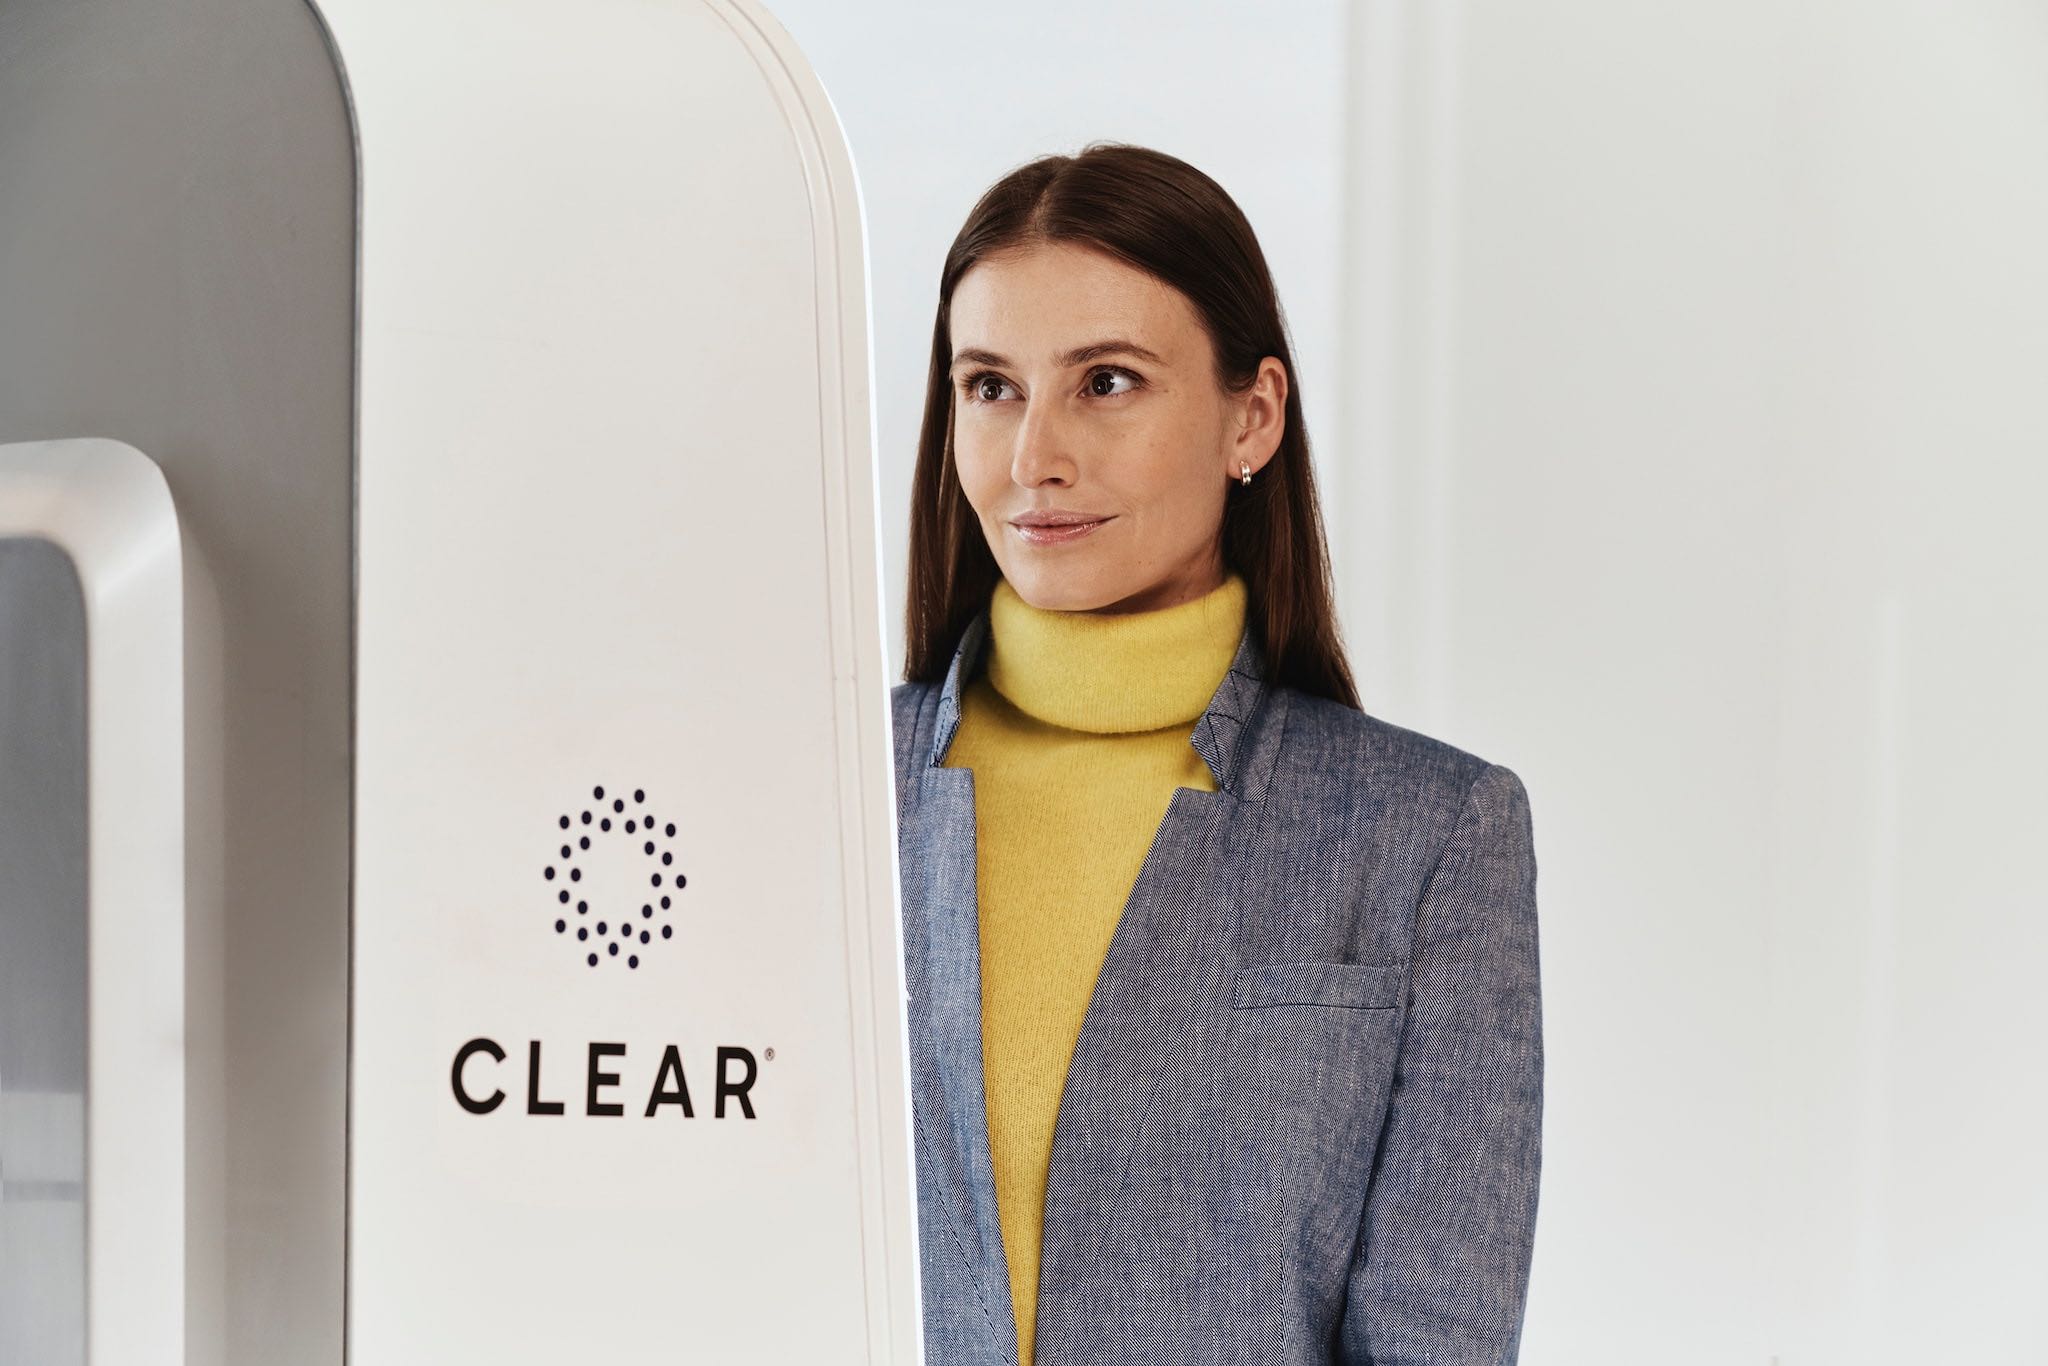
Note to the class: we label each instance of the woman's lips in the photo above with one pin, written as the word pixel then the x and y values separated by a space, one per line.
pixel 1056 535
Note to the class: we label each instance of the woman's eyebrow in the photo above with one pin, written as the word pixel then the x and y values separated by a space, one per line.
pixel 1080 355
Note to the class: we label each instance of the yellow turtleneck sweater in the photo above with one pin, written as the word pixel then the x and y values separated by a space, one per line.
pixel 1078 732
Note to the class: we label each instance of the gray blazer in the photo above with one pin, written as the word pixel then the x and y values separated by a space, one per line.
pixel 1302 1123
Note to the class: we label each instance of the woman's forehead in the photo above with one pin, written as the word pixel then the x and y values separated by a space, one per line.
pixel 1035 305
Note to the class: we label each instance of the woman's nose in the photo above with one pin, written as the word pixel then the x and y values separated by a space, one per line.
pixel 1044 448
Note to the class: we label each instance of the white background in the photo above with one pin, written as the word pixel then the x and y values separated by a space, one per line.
pixel 1675 374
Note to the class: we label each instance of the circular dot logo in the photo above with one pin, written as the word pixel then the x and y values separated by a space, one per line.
pixel 624 831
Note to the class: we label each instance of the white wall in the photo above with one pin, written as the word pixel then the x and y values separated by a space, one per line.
pixel 1675 375
pixel 1731 544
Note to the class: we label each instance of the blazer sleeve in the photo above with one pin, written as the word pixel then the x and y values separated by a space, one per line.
pixel 1441 1268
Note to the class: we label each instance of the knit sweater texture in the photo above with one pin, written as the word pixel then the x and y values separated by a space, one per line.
pixel 1078 732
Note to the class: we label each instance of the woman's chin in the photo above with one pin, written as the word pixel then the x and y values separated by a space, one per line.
pixel 1052 589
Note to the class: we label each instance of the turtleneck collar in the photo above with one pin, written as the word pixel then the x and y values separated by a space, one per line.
pixel 1113 673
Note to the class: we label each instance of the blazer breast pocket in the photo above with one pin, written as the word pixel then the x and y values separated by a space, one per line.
pixel 1354 986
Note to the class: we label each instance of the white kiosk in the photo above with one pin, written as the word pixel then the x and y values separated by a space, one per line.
pixel 502 368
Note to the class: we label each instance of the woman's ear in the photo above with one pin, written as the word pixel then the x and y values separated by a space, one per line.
pixel 1261 419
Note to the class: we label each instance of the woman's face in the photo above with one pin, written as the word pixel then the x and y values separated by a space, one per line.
pixel 1084 386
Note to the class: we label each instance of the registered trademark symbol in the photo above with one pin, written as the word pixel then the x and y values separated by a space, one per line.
pixel 769 1054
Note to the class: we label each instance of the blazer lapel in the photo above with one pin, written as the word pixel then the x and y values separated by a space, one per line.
pixel 1173 935
pixel 1172 930
pixel 942 970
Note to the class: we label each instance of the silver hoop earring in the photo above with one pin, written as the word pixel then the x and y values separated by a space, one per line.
pixel 1244 473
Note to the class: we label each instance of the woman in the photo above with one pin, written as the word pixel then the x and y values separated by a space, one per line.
pixel 1224 1015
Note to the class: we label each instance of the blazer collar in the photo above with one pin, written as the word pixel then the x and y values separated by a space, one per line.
pixel 1217 732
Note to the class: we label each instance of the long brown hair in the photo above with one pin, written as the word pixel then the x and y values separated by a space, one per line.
pixel 1159 214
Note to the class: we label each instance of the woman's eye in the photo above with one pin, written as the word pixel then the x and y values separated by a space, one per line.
pixel 985 387
pixel 1111 374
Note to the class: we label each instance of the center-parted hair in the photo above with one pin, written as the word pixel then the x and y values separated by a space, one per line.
pixel 1160 215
